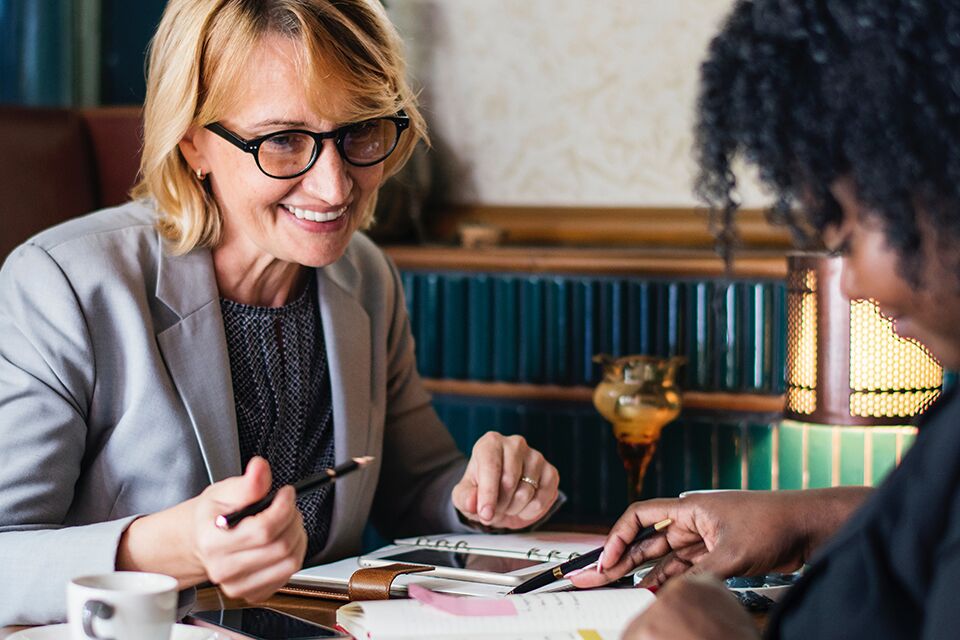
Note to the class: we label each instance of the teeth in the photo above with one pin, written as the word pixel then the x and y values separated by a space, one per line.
pixel 315 216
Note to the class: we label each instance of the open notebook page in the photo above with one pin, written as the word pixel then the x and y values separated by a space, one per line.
pixel 567 612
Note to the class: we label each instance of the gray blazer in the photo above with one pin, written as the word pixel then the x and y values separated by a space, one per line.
pixel 116 400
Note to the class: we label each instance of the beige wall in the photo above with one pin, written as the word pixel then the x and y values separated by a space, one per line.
pixel 540 102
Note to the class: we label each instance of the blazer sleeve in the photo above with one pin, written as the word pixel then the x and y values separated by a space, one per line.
pixel 47 374
pixel 421 462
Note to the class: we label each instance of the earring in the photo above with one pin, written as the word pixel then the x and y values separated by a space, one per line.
pixel 200 175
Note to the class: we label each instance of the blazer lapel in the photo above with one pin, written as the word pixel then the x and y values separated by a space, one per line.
pixel 195 352
pixel 346 331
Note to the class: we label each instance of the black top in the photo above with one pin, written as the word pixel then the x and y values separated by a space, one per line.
pixel 281 387
pixel 894 570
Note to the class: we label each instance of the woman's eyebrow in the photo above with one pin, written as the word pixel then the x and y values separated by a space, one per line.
pixel 278 123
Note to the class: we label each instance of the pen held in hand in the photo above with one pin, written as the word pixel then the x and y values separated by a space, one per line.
pixel 581 561
pixel 302 487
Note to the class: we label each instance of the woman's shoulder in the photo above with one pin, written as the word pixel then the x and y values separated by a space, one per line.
pixel 132 218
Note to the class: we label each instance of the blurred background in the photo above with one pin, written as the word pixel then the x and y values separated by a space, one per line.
pixel 552 220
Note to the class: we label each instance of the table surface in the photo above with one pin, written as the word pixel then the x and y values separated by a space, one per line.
pixel 315 609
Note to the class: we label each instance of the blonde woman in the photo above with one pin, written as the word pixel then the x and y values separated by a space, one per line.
pixel 229 331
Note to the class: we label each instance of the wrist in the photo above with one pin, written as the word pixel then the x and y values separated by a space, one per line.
pixel 160 543
pixel 825 511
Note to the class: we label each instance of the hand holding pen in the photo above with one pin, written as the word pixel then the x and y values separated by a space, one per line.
pixel 582 561
pixel 303 487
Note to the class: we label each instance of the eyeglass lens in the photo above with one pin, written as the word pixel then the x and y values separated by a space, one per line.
pixel 287 154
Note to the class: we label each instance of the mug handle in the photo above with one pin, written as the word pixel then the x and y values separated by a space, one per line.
pixel 95 609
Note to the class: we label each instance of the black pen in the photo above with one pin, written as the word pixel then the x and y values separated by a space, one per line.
pixel 307 485
pixel 581 561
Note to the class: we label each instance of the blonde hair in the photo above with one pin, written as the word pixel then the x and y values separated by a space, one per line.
pixel 196 65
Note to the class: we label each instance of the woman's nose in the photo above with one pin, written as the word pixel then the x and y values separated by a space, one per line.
pixel 329 178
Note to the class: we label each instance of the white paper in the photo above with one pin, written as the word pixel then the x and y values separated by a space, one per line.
pixel 550 615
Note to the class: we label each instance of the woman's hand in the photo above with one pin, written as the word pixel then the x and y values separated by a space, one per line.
pixel 734 533
pixel 693 608
pixel 507 484
pixel 250 561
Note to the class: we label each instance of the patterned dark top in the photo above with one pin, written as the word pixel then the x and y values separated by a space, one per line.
pixel 281 385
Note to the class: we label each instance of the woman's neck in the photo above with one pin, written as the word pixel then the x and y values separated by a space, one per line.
pixel 264 282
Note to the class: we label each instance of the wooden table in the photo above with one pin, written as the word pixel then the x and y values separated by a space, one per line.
pixel 315 609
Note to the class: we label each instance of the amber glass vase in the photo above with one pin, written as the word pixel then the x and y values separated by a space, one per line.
pixel 639 397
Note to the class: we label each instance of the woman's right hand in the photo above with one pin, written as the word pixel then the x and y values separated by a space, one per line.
pixel 731 533
pixel 249 562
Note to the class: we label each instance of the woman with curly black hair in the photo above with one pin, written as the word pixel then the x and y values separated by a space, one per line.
pixel 850 109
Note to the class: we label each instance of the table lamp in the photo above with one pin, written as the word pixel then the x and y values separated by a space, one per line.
pixel 846 365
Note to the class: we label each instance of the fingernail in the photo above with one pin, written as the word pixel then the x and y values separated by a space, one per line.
pixel 652 588
pixel 487 512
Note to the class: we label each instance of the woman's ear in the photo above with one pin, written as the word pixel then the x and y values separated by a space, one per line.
pixel 193 152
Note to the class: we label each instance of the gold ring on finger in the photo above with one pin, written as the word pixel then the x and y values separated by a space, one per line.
pixel 530 481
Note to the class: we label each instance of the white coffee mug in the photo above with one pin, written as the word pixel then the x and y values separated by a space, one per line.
pixel 124 605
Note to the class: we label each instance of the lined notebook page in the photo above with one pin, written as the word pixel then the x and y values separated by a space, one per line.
pixel 567 611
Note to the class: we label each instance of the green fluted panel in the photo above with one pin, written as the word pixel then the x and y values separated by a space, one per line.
pixel 698 461
pixel 557 339
pixel 585 292
pixel 639 333
pixel 505 336
pixel 778 323
pixel 455 315
pixel 699 347
pixel 731 341
pixel 820 456
pixel 549 329
pixel 428 324
pixel 480 328
pixel 791 461
pixel 884 454
pixel 729 443
pixel 851 457
pixel 530 362
pixel 671 451
pixel 759 457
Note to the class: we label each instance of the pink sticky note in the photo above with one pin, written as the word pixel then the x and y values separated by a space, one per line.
pixel 462 606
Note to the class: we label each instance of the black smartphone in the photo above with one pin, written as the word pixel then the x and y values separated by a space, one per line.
pixel 263 624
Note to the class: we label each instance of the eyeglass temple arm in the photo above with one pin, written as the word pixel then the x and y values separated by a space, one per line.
pixel 231 137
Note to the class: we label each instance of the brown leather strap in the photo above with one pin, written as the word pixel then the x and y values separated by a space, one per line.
pixel 313 592
pixel 373 583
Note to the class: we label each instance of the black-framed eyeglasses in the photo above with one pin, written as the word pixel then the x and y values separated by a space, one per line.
pixel 292 152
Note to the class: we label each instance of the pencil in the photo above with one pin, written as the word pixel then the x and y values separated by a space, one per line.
pixel 302 487
pixel 552 575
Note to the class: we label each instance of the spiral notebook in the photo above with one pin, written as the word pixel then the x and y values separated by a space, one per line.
pixel 547 546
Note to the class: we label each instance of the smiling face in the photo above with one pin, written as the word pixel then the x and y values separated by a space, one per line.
pixel 929 313
pixel 273 226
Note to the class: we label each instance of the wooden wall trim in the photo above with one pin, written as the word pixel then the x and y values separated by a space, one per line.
pixel 589 261
pixel 740 402
pixel 604 226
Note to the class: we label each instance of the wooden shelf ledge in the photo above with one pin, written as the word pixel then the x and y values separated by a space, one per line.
pixel 701 400
pixel 766 264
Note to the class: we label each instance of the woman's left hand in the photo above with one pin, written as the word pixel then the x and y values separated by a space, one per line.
pixel 694 607
pixel 507 484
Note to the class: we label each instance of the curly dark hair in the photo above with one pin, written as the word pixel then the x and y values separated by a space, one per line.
pixel 813 90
